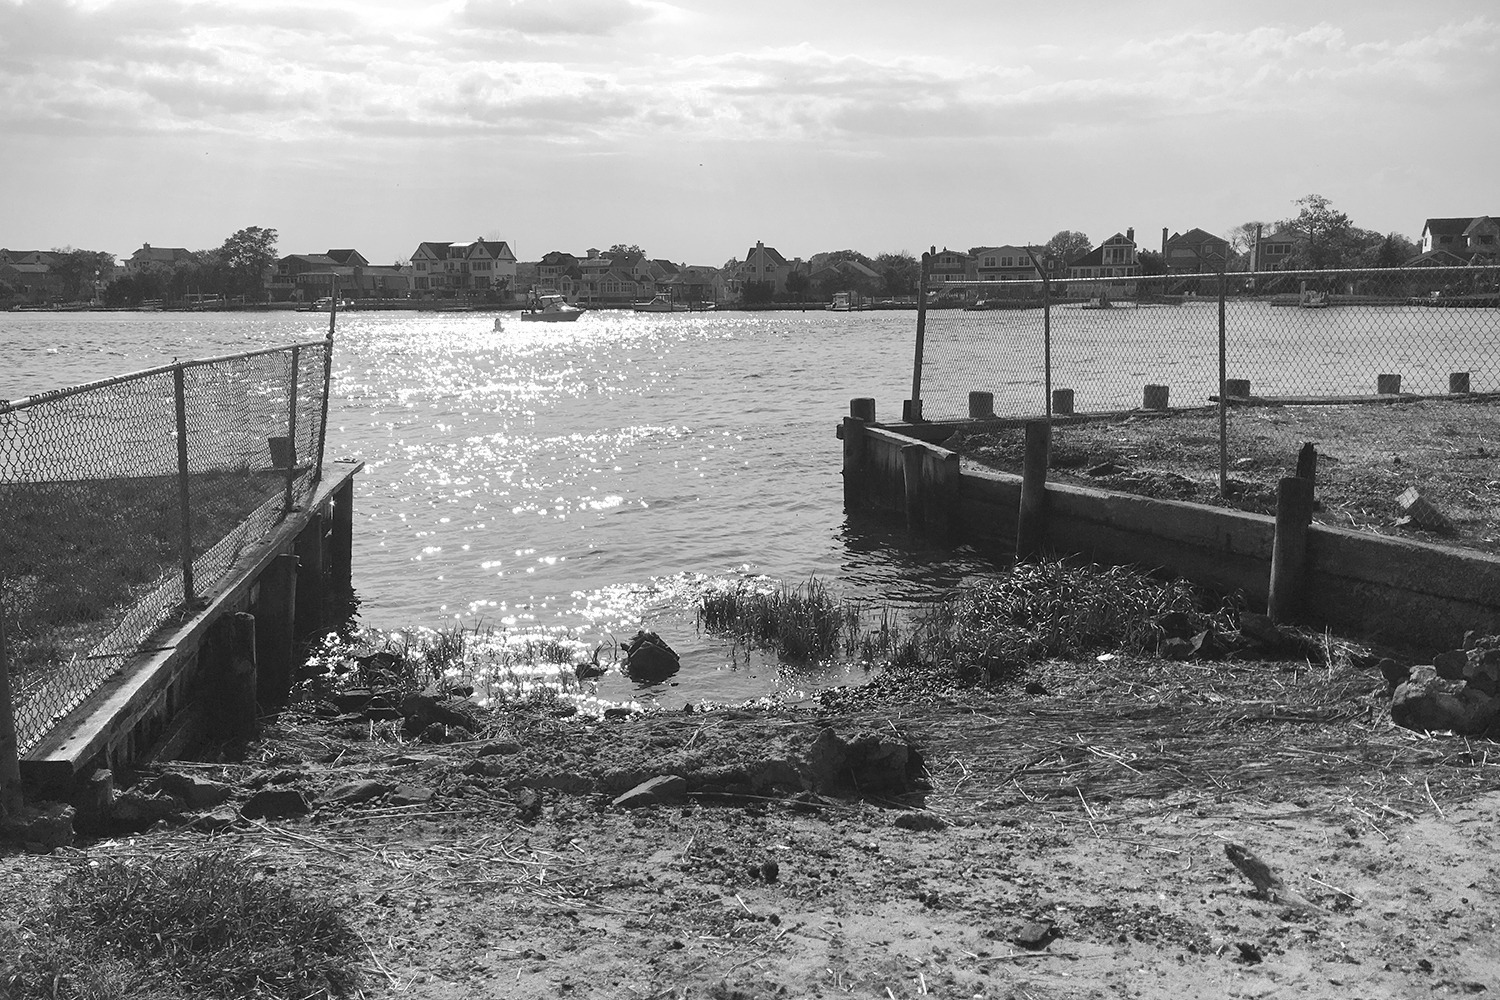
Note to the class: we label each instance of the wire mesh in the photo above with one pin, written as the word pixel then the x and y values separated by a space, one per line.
pixel 101 516
pixel 1418 347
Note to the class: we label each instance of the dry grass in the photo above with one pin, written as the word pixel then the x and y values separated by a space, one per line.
pixel 1368 455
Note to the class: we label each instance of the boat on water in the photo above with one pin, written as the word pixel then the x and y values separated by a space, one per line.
pixel 325 304
pixel 662 304
pixel 550 309
pixel 846 302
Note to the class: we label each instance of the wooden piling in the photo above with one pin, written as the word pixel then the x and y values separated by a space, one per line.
pixel 1062 402
pixel 981 404
pixel 861 413
pixel 1294 505
pixel 1155 397
pixel 911 466
pixel 341 554
pixel 311 579
pixel 862 408
pixel 234 712
pixel 1031 520
pixel 1388 385
pixel 1307 462
pixel 1458 383
pixel 275 638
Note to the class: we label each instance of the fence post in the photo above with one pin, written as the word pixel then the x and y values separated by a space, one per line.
pixel 185 499
pixel 333 313
pixel 291 429
pixel 914 405
pixel 10 766
pixel 1223 391
pixel 1294 505
pixel 1047 341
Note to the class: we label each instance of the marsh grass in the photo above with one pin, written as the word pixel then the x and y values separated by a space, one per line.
pixel 205 925
pixel 804 623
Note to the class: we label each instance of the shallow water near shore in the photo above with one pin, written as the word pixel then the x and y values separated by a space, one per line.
pixel 577 481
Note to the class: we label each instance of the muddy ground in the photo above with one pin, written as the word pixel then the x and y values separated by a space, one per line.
pixel 1069 842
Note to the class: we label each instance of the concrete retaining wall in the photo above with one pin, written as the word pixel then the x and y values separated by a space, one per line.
pixel 1387 590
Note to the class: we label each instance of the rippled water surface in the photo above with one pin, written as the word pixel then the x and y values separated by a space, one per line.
pixel 574 480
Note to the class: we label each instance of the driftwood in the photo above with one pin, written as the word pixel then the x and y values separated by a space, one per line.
pixel 1267 882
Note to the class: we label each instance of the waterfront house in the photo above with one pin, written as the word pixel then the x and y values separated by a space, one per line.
pixel 1271 253
pixel 1476 239
pixel 1194 252
pixel 1116 257
pixel 695 283
pixel 150 256
pixel 764 265
pixel 481 269
pixel 1004 263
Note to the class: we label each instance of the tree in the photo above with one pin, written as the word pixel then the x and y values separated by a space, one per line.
pixel 80 271
pixel 247 256
pixel 1242 241
pixel 900 272
pixel 1326 237
pixel 625 249
pixel 822 260
pixel 1068 245
pixel 797 284
pixel 1394 250
pixel 1151 262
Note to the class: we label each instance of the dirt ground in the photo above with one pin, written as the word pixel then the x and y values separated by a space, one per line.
pixel 1368 456
pixel 1095 809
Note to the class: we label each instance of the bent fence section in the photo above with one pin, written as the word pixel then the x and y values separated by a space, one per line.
pixel 1388 590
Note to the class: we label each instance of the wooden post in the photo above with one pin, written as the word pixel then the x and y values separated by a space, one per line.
pixel 981 404
pixel 1294 503
pixel 911 467
pixel 184 497
pixel 10 765
pixel 310 577
pixel 333 312
pixel 1031 521
pixel 1062 403
pixel 235 713
pixel 1307 463
pixel 1388 385
pixel 341 554
pixel 1458 383
pixel 275 639
pixel 1155 397
pixel 941 509
pixel 862 408
pixel 861 412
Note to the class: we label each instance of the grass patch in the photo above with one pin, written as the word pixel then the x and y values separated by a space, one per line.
pixel 208 925
pixel 77 554
pixel 804 623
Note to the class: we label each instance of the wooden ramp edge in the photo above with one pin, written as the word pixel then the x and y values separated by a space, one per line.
pixel 113 711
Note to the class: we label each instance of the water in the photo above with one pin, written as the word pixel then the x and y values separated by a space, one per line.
pixel 582 480
pixel 574 480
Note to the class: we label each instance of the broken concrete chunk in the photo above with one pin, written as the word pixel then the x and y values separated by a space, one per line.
pixel 275 804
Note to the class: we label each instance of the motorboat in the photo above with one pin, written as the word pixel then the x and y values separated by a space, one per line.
pixel 662 304
pixel 550 309
pixel 846 302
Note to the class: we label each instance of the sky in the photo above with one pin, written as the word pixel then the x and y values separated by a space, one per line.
pixel 696 128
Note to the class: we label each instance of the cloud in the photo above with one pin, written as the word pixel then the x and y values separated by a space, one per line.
pixel 558 17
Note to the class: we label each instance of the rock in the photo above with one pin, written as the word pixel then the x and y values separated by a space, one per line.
pixel 436 732
pixel 93 800
pixel 504 748
pixel 1176 649
pixel 135 809
pixel 355 792
pixel 919 821
pixel 1036 687
pixel 436 704
pixel 41 828
pixel 1035 935
pixel 1450 665
pixel 528 804
pixel 1395 674
pixel 411 795
pixel 214 822
pixel 1426 702
pixel 275 803
pixel 196 793
pixel 486 768
pixel 1417 508
pixel 1482 670
pixel 663 790
pixel 648 658
pixel 770 871
pixel 880 763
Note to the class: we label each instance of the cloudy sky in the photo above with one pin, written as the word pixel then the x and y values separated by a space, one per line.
pixel 695 128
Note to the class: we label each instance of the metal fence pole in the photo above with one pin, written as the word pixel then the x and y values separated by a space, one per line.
pixel 914 410
pixel 291 429
pixel 1047 343
pixel 10 767
pixel 184 496
pixel 333 315
pixel 1223 384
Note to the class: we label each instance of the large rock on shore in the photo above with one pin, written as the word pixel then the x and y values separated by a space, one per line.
pixel 1427 701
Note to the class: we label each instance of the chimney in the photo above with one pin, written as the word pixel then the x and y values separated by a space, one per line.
pixel 1164 241
pixel 1130 234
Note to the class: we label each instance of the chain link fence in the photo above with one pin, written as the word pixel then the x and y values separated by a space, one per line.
pixel 126 500
pixel 1390 373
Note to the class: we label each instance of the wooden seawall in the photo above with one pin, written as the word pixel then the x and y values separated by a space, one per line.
pixel 237 650
pixel 1390 590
